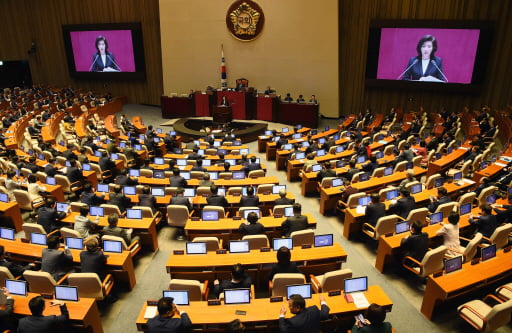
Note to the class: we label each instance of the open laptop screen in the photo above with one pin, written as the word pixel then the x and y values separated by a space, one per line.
pixel 16 287
pixel 247 211
pixel 390 195
pixel 356 285
pixel 453 264
pixel 277 188
pixel 51 180
pixel 129 190
pixel 401 227
pixel 180 296
pixel 96 211
pixel 7 233
pixel 416 188
pixel 134 214
pixel 196 248
pixel 134 172
pixel 237 296
pixel 323 240
pixel 37 238
pixel 241 246
pixel 112 246
pixel 158 191
pixel 288 211
pixel 278 242
pixel 299 289
pixel 4 197
pixel 66 293
pixel 488 252
pixel 436 218
pixel 465 208
pixel 75 243
pixel 210 215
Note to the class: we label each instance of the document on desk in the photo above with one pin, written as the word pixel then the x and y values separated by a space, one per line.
pixel 360 300
pixel 150 312
pixel 360 209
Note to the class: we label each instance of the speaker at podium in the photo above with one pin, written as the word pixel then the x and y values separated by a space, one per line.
pixel 222 114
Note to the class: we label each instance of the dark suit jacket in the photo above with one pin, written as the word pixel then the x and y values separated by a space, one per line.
pixel 98 65
pixel 14 268
pixel 486 224
pixel 384 327
pixel 147 200
pixel 119 200
pixel 403 206
pixel 294 223
pixel 69 154
pixel 251 229
pixel 91 199
pixel 374 212
pixel 106 164
pixel 49 217
pixel 252 166
pixel 177 181
pixel 181 200
pixel 217 200
pixel 93 262
pixel 159 324
pixel 504 216
pixel 126 180
pixel 50 170
pixel 56 262
pixel 249 201
pixel 43 324
pixel 416 71
pixel 325 173
pixel 74 175
pixel 278 268
pixel 306 321
pixel 416 245
pixel 433 205
pixel 284 201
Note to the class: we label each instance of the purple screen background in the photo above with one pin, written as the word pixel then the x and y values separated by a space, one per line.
pixel 456 48
pixel 119 44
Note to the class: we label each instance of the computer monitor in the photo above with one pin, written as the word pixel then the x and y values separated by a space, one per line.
pixel 40 157
pixel 287 146
pixel 491 199
pixel 134 214
pixel 214 175
pixel 185 174
pixel 122 144
pixel 390 195
pixel 207 163
pixel 172 133
pixel 305 144
pixel 314 131
pixel 299 289
pixel 438 156
pixel 181 162
pixel 37 238
pixel 300 156
pixel 276 138
pixel 320 152
pixel 296 136
pixel 51 181
pixel 449 150
pixel 416 188
pixel 239 246
pixel 277 188
pixel 324 240
pixel 156 139
pixel 86 167
pixel 457 176
pixel 189 192
pixel 180 296
pixel 210 215
pixel 231 161
pixel 379 155
pixel 401 227
pixel 361 159
pixel 336 137
pixel 196 248
pixel 137 147
pixel 217 143
pixel 355 285
pixel 268 132
pixel 129 190
pixel 237 296
pixel 7 233
pixel 238 175
pixel 453 264
pixel 436 218
pixel 247 211
pixel 488 252
pixel 97 153
pixel 337 182
pixel 237 143
pixel 364 201
pixel 134 172
pixel 74 243
pixel 158 191
pixel 465 208
pixel 221 191
pixel 159 161
pixel 4 197
pixel 438 182
pixel 388 171
pixel 112 246
pixel 114 156
pixel 288 211
pixel 96 211
pixel 285 130
pixel 340 149
pixel 483 165
pixel 16 287
pixel 102 187
pixel 278 242
pixel 340 164
pixel 321 141
pixel 62 206
pixel 159 174
pixel 66 293
pixel 364 177
pixel 197 142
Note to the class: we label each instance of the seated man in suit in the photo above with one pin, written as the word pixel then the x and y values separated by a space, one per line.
pixel 39 323
pixel 215 199
pixel 93 260
pixel 441 198
pixel 146 199
pixel 124 179
pixel 113 230
pixel 252 165
pixel 371 165
pixel 176 180
pixel 90 198
pixel 31 165
pixel 305 319
pixel 179 199
pixel 283 200
pixel 375 210
pixel 206 182
pixel 486 223
pixel 250 200
pixel 296 222
pixel 54 261
pixel 165 321
pixel 198 166
pixel 238 280
pixel 15 269
pixel 325 172
pixel 194 155
pixel 404 205
pixel 416 244
pixel 68 153
pixel 252 227
pixel 105 164
pixel 119 199
pixel 73 173
pixel 85 226
pixel 48 217
pixel 284 263
pixel 50 168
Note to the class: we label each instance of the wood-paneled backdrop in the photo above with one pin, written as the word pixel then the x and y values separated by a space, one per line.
pixel 24 21
pixel 355 17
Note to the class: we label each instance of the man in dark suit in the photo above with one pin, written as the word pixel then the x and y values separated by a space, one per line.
pixel 215 199
pixel 54 261
pixel 404 205
pixel 442 198
pixel 352 169
pixel 68 153
pixel 296 222
pixel 176 180
pixel 48 217
pixel 238 280
pixel 119 199
pixel 179 199
pixel 416 244
pixel 253 227
pixel 93 260
pixel 6 313
pixel 504 215
pixel 146 199
pixel 199 166
pixel 486 223
pixel 105 164
pixel 113 230
pixel 90 198
pixel 305 319
pixel 252 165
pixel 124 179
pixel 39 323
pixel 194 155
pixel 375 210
pixel 250 200
pixel 283 200
pixel 73 173
pixel 371 165
pixel 165 322
pixel 325 172
pixel 31 165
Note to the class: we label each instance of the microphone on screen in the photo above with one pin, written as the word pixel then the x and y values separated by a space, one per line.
pixel 93 62
pixel 413 63
pixel 440 71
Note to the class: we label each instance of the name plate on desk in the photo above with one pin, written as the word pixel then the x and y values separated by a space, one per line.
pixel 475 261
pixel 277 216
pixel 507 249
pixel 265 249
pixel 276 299
pixel 214 302
pixel 195 218
pixel 306 246
pixel 438 274
pixel 178 252
pixel 334 292
pixel 237 218
pixel 221 251
pixel 152 303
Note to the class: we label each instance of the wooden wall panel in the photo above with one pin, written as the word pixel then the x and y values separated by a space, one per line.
pixel 355 17
pixel 24 21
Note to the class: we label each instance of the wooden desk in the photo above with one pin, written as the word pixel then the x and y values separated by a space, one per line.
pixel 12 209
pixel 218 182
pixel 262 314
pixel 489 171
pixel 177 107
pixel 446 161
pixel 139 124
pixel 119 264
pixel 298 113
pixel 467 280
pixel 84 313
pixel 111 125
pixel 330 196
pixel 145 228
pixel 258 264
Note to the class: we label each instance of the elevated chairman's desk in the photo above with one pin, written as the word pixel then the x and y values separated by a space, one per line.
pixel 261 314
pixel 353 219
pixel 218 182
pixel 119 264
pixel 319 260
pixel 83 314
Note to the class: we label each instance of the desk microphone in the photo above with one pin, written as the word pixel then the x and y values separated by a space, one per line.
pixel 440 71
pixel 118 68
pixel 413 63
pixel 93 62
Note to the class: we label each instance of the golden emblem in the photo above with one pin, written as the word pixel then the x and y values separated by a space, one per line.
pixel 245 19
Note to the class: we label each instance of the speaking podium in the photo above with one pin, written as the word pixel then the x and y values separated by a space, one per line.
pixel 222 114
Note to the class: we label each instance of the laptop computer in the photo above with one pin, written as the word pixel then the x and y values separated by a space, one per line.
pixel 7 233
pixel 16 287
pixel 300 156
pixel 287 146
pixel 379 154
pixel 239 246
pixel 278 242
pixel 324 240
pixel 158 191
pixel 337 182
pixel 465 208
pixel 159 161
pixel 364 201
pixel 210 215
pixel 66 293
pixel 321 141
pixel 299 289
pixel 237 296
pixel 37 238
pixel 247 211
pixel 390 195
pixel 189 192
pixel 320 152
pixel 416 188
pixel 102 188
pixel 489 252
pixel 340 149
pixel 214 175
pixel 207 163
pixel 4 197
pixel 438 182
pixel 355 285
pixel 285 130
pixel 277 188
pixel 74 243
pixel 436 218
pixel 134 214
pixel 196 248
pixel 388 171
pixel 185 174
pixel 129 190
pixel 112 246
pixel 181 162
pixel 158 174
pixel 361 159
pixel 86 167
pixel 364 177
pixel 180 296
pixel 316 168
pixel 453 264
pixel 288 211
pixel 134 172
pixel 96 211
pixel 457 176
pixel 491 199
pixel 401 227
pixel 238 175
pixel 114 156
pixel 51 181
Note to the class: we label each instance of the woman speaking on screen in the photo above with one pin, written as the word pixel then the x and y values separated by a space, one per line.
pixel 425 66
pixel 103 61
